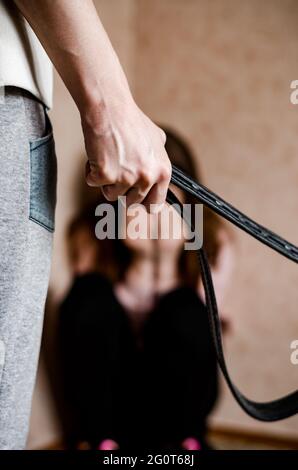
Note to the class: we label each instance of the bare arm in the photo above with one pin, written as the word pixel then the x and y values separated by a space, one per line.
pixel 125 148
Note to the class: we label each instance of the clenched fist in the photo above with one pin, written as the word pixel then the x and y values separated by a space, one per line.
pixel 126 155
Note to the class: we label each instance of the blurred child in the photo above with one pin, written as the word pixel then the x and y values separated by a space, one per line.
pixel 139 365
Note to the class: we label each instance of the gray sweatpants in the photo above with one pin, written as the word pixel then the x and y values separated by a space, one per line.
pixel 27 205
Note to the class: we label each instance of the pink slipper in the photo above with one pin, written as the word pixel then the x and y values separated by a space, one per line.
pixel 191 443
pixel 108 444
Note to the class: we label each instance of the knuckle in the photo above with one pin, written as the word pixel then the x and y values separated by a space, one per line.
pixel 128 178
pixel 165 173
pixel 108 192
pixel 103 171
pixel 163 136
pixel 145 177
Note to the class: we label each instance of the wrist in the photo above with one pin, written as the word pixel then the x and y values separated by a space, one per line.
pixel 98 107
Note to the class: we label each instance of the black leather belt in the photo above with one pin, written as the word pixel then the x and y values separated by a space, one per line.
pixel 268 411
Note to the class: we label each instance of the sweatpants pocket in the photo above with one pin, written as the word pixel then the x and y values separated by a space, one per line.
pixel 43 177
pixel 2 358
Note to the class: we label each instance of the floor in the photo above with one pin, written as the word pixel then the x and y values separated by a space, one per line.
pixel 227 440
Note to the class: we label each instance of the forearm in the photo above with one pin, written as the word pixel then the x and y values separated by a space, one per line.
pixel 78 46
pixel 125 149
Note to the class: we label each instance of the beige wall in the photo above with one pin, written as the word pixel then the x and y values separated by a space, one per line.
pixel 220 73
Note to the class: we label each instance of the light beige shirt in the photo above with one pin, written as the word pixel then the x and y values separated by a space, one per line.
pixel 23 61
